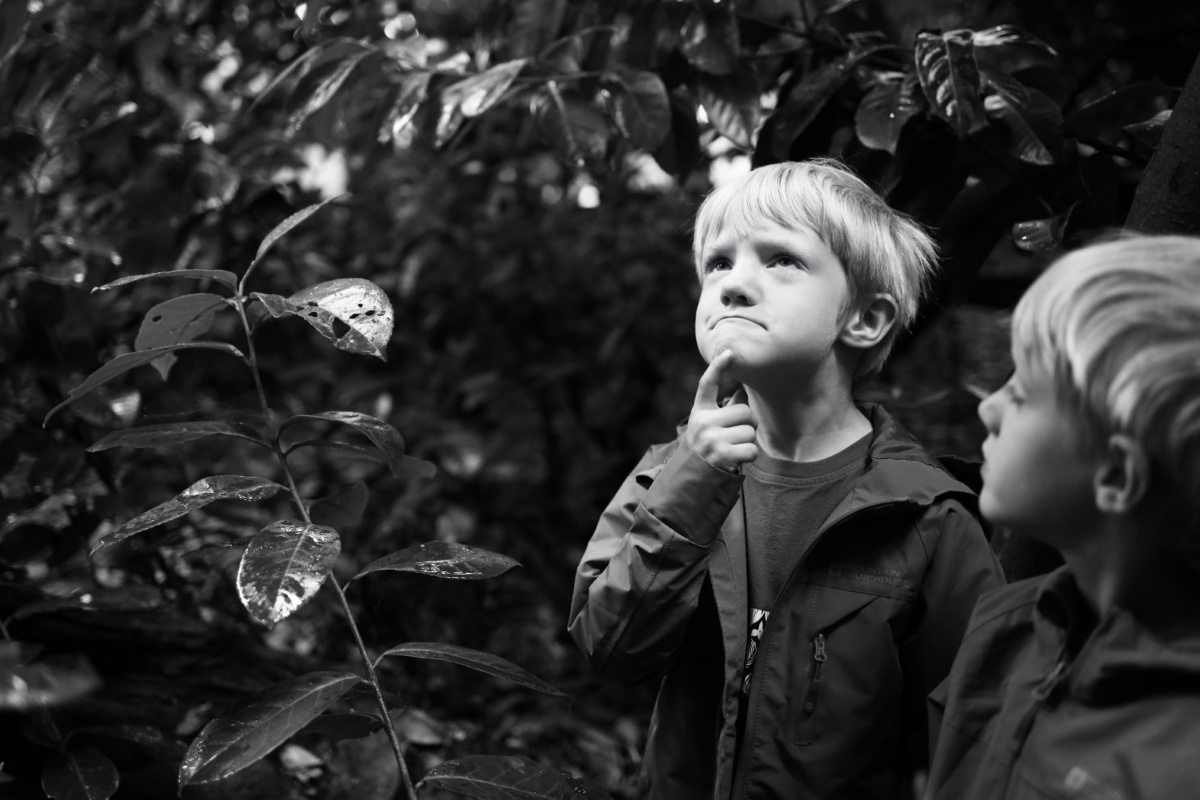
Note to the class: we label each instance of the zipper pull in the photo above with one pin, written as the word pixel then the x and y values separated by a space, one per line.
pixel 1049 683
pixel 819 648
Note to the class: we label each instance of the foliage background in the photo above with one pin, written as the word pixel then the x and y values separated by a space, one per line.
pixel 543 340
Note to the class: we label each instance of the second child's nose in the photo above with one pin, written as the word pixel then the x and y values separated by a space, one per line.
pixel 989 412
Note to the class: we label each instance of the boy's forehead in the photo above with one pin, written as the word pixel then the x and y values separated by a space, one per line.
pixel 724 236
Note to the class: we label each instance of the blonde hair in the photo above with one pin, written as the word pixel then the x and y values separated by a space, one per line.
pixel 881 249
pixel 1117 326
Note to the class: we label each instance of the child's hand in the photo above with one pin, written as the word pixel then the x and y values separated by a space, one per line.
pixel 724 436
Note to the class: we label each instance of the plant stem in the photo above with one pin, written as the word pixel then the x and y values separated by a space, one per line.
pixel 262 394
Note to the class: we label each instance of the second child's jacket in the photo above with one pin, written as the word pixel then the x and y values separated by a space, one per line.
pixel 865 627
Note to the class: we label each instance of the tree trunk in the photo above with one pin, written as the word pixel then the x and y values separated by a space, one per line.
pixel 1167 199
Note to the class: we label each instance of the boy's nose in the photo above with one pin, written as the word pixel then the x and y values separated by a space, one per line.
pixel 737 287
pixel 989 412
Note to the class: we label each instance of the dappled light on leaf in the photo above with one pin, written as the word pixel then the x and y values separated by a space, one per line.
pixel 734 105
pixel 950 78
pixel 1041 235
pixel 444 560
pixel 355 303
pixel 475 659
pixel 283 567
pixel 29 680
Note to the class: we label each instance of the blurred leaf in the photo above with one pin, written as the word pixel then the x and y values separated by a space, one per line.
pixel 381 434
pixel 27 681
pixel 1007 48
pixel 354 303
pixel 1149 132
pixel 344 726
pixel 806 99
pixel 221 276
pixel 123 363
pixel 472 96
pixel 312 17
pixel 1104 119
pixel 1033 119
pixel 475 659
pixel 129 742
pixel 710 38
pixel 881 115
pixel 233 743
pixel 414 88
pixel 198 495
pixel 171 433
pixel 180 319
pixel 284 566
pixel 407 467
pixel 640 106
pixel 82 773
pixel 578 132
pixel 327 88
pixel 733 103
pixel 443 560
pixel 535 23
pixel 950 78
pixel 280 230
pixel 1041 235
pixel 14 21
pixel 509 778
pixel 342 511
pixel 318 54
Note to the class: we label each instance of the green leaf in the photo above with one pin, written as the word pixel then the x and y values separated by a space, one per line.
pixel 443 560
pixel 27 682
pixel 123 363
pixel 733 103
pixel 342 510
pixel 1032 118
pixel 1009 49
pixel 1041 235
pixel 180 319
pixel 475 659
pixel 950 79
pixel 284 227
pixel 414 88
pixel 710 39
pixel 640 106
pixel 221 276
pixel 81 773
pixel 881 115
pixel 283 568
pixel 172 433
pixel 356 303
pixel 327 88
pixel 509 778
pixel 198 495
pixel 233 743
pixel 381 434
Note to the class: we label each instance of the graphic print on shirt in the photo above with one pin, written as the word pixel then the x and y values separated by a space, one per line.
pixel 758 624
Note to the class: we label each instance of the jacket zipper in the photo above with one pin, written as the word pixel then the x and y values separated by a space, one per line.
pixel 1041 693
pixel 809 707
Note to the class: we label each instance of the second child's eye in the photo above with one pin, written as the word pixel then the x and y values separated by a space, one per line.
pixel 715 265
pixel 785 261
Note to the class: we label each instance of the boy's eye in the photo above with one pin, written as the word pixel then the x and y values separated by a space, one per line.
pixel 715 264
pixel 785 261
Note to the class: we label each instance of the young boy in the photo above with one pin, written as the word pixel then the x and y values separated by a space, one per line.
pixel 1085 683
pixel 794 569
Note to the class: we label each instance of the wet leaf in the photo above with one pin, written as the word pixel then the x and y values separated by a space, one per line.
pixel 1031 117
pixel 342 511
pixel 475 659
pixel 1007 48
pixel 1041 235
pixel 81 773
pixel 381 434
pixel 476 94
pixel 733 103
pixel 355 303
pixel 881 115
pixel 280 230
pixel 123 363
pixel 328 88
pixel 233 743
pixel 283 568
pixel 414 88
pixel 950 79
pixel 510 778
pixel 640 106
pixel 180 319
pixel 172 433
pixel 221 276
pixel 710 39
pixel 198 495
pixel 29 682
pixel 443 560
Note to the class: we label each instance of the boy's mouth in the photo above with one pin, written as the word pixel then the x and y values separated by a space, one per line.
pixel 735 317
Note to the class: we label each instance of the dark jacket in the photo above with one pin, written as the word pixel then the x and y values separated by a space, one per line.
pixel 866 626
pixel 1044 701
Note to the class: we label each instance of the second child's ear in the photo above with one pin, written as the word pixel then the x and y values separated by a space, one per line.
pixel 866 326
pixel 1122 478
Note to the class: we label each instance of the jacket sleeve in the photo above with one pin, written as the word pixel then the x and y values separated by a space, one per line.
pixel 640 577
pixel 961 567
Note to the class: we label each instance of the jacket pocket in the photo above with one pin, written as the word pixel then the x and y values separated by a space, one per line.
pixel 812 696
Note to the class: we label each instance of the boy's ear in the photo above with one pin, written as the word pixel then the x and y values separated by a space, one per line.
pixel 866 326
pixel 1122 478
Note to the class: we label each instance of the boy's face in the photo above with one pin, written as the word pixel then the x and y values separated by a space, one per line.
pixel 1037 473
pixel 775 299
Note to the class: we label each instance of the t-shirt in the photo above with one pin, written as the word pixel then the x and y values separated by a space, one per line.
pixel 786 503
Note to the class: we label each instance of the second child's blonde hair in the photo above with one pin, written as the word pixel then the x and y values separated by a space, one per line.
pixel 1117 327
pixel 881 249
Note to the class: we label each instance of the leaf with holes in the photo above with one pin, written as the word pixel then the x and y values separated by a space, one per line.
pixel 1041 235
pixel 640 106
pixel 1009 49
pixel 509 778
pixel 353 313
pixel 475 659
pixel 180 319
pixel 414 88
pixel 123 363
pixel 231 744
pixel 382 435
pixel 221 276
pixel 28 681
pixel 443 560
pixel 81 773
pixel 280 230
pixel 710 39
pixel 172 433
pixel 198 495
pixel 881 115
pixel 327 88
pixel 284 566
pixel 733 103
pixel 950 79
pixel 1032 118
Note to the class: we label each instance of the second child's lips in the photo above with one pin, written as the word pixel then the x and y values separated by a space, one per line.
pixel 734 317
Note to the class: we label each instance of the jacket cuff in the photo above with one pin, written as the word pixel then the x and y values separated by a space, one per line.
pixel 691 496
